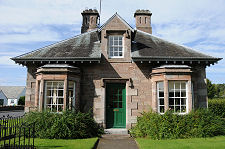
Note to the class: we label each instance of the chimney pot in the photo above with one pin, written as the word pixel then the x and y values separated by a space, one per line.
pixel 90 20
pixel 143 20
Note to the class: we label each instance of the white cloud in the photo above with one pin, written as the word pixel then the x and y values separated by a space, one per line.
pixel 5 60
pixel 35 35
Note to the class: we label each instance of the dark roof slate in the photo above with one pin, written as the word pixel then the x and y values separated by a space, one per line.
pixel 147 46
pixel 83 46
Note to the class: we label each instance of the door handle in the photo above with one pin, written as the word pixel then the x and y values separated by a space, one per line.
pixel 115 109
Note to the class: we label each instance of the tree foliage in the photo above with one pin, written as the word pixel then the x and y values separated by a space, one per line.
pixel 211 89
pixel 21 100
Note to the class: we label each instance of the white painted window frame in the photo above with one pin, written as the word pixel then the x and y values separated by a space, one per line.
pixel 186 97
pixel 158 98
pixel 73 98
pixel 57 97
pixel 113 46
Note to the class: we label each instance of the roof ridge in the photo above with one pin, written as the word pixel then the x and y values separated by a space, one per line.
pixel 170 42
pixel 53 44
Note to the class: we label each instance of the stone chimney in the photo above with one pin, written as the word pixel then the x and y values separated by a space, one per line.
pixel 90 20
pixel 143 20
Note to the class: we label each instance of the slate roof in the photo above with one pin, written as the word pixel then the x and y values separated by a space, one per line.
pixel 83 46
pixel 87 46
pixel 13 92
pixel 147 46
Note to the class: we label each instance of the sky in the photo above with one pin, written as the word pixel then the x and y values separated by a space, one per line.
pixel 26 25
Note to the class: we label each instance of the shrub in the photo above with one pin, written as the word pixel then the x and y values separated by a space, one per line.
pixel 21 100
pixel 200 123
pixel 217 106
pixel 67 125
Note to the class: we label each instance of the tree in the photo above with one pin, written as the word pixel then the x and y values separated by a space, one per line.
pixel 21 100
pixel 211 89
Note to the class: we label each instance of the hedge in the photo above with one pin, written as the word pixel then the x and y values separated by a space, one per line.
pixel 66 125
pixel 217 106
pixel 200 123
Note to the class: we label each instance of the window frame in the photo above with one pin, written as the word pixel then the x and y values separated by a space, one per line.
pixel 72 100
pixel 159 97
pixel 57 97
pixel 179 97
pixel 113 46
pixel 167 91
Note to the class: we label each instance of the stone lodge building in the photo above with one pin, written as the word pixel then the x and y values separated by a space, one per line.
pixel 116 71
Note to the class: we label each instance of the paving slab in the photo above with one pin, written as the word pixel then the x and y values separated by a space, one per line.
pixel 117 141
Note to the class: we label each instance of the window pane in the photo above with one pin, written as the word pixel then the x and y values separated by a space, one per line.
pixel 183 94
pixel 60 101
pixel 54 108
pixel 49 101
pixel 183 85
pixel 120 49
pixel 120 54
pixel 177 94
pixel 183 109
pixel 177 109
pixel 183 101
pixel 49 93
pixel 115 49
pixel 115 105
pixel 177 101
pixel 60 108
pixel 177 85
pixel 171 101
pixel 161 101
pixel 60 93
pixel 116 42
pixel 115 53
pixel 120 105
pixel 161 109
pixel 111 53
pixel 171 108
pixel 171 94
pixel 160 86
pixel 120 37
pixel 171 85
pixel 60 85
pixel 161 94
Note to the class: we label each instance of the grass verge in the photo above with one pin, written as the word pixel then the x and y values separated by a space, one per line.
pixel 65 144
pixel 194 143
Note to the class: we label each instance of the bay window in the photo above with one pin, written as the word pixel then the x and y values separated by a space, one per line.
pixel 57 87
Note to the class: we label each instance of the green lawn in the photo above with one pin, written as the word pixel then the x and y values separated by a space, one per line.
pixel 194 143
pixel 65 144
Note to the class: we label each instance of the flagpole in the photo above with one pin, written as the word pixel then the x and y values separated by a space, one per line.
pixel 100 9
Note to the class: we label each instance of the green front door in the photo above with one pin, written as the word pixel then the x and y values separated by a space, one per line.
pixel 115 105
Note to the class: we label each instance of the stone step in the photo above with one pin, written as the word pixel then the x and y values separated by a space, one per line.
pixel 116 131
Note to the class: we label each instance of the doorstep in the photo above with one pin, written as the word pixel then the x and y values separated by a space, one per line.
pixel 116 131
